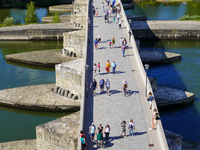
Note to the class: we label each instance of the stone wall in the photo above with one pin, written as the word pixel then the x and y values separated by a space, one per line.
pixel 34 34
pixel 69 76
pixel 74 42
pixel 167 34
pixel 59 134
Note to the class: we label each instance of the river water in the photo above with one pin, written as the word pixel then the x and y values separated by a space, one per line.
pixel 17 124
pixel 183 74
pixel 20 14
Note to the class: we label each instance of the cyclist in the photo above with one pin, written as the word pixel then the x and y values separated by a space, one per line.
pixel 124 86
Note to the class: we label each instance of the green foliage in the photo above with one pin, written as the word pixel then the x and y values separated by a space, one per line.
pixel 9 21
pixel 31 16
pixel 187 17
pixel 56 18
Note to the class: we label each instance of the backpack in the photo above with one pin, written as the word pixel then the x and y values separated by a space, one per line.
pixel 131 126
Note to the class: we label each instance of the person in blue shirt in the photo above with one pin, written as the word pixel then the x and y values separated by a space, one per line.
pixel 96 43
pixel 93 85
pixel 84 144
pixel 101 84
pixel 113 66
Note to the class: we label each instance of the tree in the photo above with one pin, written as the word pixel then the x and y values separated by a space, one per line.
pixel 56 18
pixel 31 16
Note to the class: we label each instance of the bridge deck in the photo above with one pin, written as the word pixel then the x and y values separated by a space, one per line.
pixel 104 109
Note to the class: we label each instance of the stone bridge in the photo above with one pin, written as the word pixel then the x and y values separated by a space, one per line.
pixel 104 109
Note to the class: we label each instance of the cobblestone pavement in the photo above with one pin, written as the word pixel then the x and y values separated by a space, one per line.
pixel 112 109
pixel 166 25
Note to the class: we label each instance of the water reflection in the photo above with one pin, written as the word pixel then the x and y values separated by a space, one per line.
pixel 181 75
pixel 161 11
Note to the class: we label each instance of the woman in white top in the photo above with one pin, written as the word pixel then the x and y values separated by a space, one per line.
pixel 107 131
pixel 95 69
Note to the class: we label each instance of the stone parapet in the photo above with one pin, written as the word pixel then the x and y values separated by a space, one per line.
pixel 174 140
pixel 59 134
pixel 74 43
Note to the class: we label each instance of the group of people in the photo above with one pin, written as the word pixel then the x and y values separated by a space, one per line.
pixel 155 115
pixel 100 130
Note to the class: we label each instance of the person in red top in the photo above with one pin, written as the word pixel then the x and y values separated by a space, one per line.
pixel 81 133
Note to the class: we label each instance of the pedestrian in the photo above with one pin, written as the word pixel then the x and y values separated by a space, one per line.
pixel 114 18
pixel 107 132
pixel 82 133
pixel 107 84
pixel 121 42
pixel 97 12
pixel 108 2
pixel 153 114
pixel 98 67
pixel 108 66
pixel 93 12
pixel 114 65
pixel 124 86
pixel 118 16
pixel 150 99
pixel 99 38
pixel 125 42
pixel 120 24
pixel 131 127
pixel 83 143
pixel 89 22
pixel 155 118
pixel 109 12
pixel 113 42
pixel 109 43
pixel 123 128
pixel 123 50
pixel 101 85
pixel 96 43
pixel 93 4
pixel 130 33
pixel 103 6
pixel 92 131
pixel 105 17
pixel 93 85
pixel 95 69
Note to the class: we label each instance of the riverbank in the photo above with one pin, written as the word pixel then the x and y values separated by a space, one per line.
pixel 46 58
pixel 37 97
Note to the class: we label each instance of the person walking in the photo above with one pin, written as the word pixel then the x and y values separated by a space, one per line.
pixel 130 33
pixel 114 65
pixel 113 42
pixel 105 17
pixel 124 42
pixel 108 2
pixel 114 18
pixel 101 85
pixel 131 127
pixel 95 69
pixel 125 86
pixel 120 24
pixel 107 132
pixel 93 85
pixel 93 12
pixel 107 84
pixel 98 67
pixel 151 98
pixel 123 50
pixel 103 6
pixel 83 143
pixel 92 131
pixel 97 12
pixel 99 38
pixel 108 66
pixel 110 43
pixel 118 16
pixel 123 128
pixel 96 43
pixel 121 42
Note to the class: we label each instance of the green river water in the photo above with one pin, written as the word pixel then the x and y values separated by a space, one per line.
pixel 17 124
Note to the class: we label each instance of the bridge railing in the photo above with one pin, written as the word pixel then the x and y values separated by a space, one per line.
pixel 84 77
pixel 160 131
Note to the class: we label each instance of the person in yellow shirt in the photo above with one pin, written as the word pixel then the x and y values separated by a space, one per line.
pixel 108 66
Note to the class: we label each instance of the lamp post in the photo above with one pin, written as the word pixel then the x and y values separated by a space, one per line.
pixel 86 67
pixel 146 66
pixel 129 21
